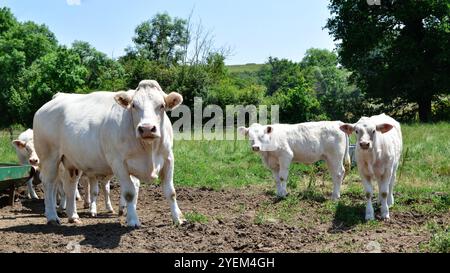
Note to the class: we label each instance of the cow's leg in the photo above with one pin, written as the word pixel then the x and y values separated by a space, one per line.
pixel 62 196
pixel 93 185
pixel 106 193
pixel 84 181
pixel 169 190
pixel 337 171
pixel 128 193
pixel 70 184
pixel 49 173
pixel 122 205
pixel 370 215
pixel 31 193
pixel 285 162
pixel 390 200
pixel 383 187
pixel 276 176
pixel 77 194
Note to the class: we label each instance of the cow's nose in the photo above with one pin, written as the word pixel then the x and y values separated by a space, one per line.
pixel 364 145
pixel 256 148
pixel 34 161
pixel 147 130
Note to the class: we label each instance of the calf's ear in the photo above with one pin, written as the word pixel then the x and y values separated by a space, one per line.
pixel 173 100
pixel 243 131
pixel 384 127
pixel 123 99
pixel 19 144
pixel 268 130
pixel 347 128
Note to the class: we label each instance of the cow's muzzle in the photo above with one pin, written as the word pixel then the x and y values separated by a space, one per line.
pixel 364 145
pixel 147 131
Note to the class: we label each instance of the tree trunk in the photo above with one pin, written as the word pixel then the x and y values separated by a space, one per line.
pixel 425 109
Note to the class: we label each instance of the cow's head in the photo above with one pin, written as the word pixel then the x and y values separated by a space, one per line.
pixel 148 104
pixel 26 150
pixel 260 137
pixel 365 131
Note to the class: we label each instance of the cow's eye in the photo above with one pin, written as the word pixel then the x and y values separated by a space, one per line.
pixel 162 107
pixel 356 131
pixel 133 106
pixel 373 132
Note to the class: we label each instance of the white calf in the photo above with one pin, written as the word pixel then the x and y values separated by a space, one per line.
pixel 378 151
pixel 309 142
pixel 26 153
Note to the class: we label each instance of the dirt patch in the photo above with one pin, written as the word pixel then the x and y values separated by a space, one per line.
pixel 233 225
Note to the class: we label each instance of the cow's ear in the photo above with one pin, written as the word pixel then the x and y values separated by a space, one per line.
pixel 123 99
pixel 243 131
pixel 173 100
pixel 384 127
pixel 347 128
pixel 19 143
pixel 268 130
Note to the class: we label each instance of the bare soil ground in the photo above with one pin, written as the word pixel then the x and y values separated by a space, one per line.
pixel 232 226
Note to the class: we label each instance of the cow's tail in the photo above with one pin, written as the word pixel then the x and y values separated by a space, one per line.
pixel 347 160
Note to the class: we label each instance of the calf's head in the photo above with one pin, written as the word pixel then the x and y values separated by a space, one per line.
pixel 26 151
pixel 147 105
pixel 260 137
pixel 366 132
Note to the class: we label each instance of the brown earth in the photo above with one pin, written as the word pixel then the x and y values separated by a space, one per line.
pixel 232 226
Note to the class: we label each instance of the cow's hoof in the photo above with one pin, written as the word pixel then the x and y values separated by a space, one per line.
pixel 93 214
pixel 121 213
pixel 111 211
pixel 86 206
pixel 134 224
pixel 55 222
pixel 370 217
pixel 76 221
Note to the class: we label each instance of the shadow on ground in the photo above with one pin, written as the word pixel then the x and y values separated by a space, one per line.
pixel 99 235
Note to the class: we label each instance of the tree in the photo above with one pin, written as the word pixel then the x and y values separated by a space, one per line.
pixel 58 71
pixel 298 104
pixel 280 74
pixel 331 83
pixel 161 39
pixel 20 45
pixel 103 73
pixel 399 49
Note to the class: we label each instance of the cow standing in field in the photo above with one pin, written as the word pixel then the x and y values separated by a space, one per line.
pixel 26 154
pixel 378 150
pixel 309 142
pixel 126 134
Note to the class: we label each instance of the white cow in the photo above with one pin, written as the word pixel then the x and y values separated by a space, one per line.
pixel 378 151
pixel 91 193
pixel 309 142
pixel 103 134
pixel 26 153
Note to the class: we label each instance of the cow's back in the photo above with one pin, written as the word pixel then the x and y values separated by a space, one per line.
pixel 312 141
pixel 70 125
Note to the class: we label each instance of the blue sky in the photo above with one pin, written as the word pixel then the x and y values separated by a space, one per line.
pixel 255 29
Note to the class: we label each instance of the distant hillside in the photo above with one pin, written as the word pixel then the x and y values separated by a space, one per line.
pixel 244 68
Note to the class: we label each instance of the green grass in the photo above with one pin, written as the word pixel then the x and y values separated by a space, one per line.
pixel 244 68
pixel 7 151
pixel 423 181
pixel 196 217
pixel 440 240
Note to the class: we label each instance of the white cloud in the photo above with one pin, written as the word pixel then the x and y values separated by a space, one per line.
pixel 73 2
